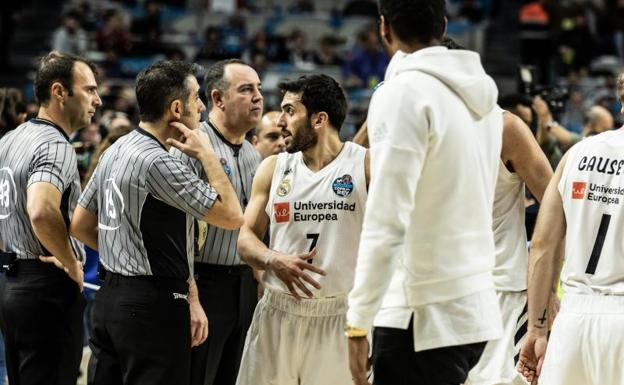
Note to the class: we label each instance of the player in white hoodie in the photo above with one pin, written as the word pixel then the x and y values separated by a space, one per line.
pixel 427 248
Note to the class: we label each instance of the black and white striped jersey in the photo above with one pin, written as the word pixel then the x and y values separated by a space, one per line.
pixel 36 151
pixel 142 196
pixel 240 162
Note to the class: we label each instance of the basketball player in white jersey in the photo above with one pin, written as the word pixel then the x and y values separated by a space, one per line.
pixel 521 162
pixel 585 203
pixel 313 197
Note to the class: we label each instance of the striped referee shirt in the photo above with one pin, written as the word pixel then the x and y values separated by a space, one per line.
pixel 240 162
pixel 36 151
pixel 142 195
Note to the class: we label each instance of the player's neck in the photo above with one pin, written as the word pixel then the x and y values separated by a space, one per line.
pixel 227 130
pixel 55 116
pixel 323 153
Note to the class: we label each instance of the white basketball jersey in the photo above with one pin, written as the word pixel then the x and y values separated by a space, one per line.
pixel 510 239
pixel 592 190
pixel 322 209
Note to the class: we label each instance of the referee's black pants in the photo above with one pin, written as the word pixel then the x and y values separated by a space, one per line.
pixel 229 295
pixel 141 332
pixel 396 363
pixel 41 318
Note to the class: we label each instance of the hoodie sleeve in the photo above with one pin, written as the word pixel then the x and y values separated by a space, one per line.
pixel 400 131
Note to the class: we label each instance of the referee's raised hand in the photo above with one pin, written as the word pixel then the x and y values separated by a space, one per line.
pixel 193 143
pixel 289 268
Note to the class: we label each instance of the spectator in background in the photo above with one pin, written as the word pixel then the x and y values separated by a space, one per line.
pixel 12 109
pixel 211 48
pixel 117 125
pixel 597 120
pixel 149 29
pixel 273 47
pixel 574 113
pixel 70 37
pixel 300 56
pixel 328 51
pixel 366 64
pixel 268 138
pixel 113 37
pixel 302 6
pixel 88 139
pixel 233 36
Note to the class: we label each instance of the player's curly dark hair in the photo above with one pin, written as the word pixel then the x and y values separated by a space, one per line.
pixel 319 93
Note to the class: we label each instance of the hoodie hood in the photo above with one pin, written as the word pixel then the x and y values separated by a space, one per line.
pixel 460 70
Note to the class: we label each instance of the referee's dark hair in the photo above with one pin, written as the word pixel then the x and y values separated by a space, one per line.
pixel 319 93
pixel 215 79
pixel 415 20
pixel 158 85
pixel 56 67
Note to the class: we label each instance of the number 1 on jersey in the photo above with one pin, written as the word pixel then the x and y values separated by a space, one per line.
pixel 314 237
pixel 600 239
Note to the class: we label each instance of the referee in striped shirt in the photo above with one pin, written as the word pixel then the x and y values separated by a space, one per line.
pixel 40 305
pixel 138 211
pixel 227 289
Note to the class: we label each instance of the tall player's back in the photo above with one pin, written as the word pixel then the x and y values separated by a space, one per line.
pixel 592 191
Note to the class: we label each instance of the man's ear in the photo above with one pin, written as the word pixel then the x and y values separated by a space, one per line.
pixel 217 98
pixel 176 109
pixel 384 30
pixel 57 91
pixel 319 119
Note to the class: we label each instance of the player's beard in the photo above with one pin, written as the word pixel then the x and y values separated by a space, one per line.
pixel 304 138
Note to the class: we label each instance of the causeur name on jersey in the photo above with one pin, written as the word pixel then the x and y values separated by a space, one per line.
pixel 601 165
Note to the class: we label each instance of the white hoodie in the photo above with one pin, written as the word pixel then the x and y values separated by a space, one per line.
pixel 435 134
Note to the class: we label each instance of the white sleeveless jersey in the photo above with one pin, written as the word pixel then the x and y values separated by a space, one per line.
pixel 323 209
pixel 510 239
pixel 592 190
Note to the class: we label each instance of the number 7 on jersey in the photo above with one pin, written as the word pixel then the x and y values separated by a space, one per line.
pixel 314 237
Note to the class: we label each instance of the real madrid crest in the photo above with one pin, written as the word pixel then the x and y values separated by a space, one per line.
pixel 284 188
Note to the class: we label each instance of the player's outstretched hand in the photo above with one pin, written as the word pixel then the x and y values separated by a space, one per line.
pixel 290 269
pixel 193 143
pixel 532 357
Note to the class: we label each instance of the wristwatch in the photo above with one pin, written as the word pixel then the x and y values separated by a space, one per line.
pixel 353 332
